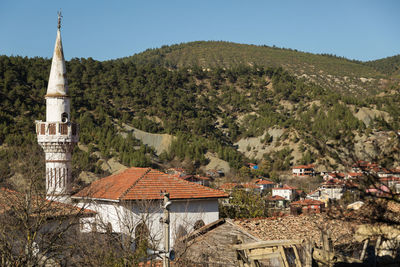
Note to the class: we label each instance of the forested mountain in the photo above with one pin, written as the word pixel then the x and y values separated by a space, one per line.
pixel 238 102
pixel 340 74
pixel 389 65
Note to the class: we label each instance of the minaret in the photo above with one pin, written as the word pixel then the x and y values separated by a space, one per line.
pixel 58 135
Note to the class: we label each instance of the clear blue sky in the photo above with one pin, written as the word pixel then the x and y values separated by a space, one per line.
pixel 356 29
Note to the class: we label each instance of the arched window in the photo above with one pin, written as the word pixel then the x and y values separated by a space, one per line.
pixel 64 117
pixel 198 224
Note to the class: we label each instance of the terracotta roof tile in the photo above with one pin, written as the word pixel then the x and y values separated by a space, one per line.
pixel 261 181
pixel 250 186
pixel 284 187
pixel 146 184
pixel 275 198
pixel 307 202
pixel 309 166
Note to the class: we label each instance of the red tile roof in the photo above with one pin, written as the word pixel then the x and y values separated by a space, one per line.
pixel 309 166
pixel 250 185
pixel 355 174
pixel 146 184
pixel 307 202
pixel 275 198
pixel 285 187
pixel 261 181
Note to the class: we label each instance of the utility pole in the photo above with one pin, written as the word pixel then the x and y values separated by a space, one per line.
pixel 166 205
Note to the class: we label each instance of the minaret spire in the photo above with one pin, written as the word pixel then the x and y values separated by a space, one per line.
pixel 59 19
pixel 58 135
pixel 58 85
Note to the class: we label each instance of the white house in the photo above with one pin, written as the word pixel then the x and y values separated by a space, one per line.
pixel 332 189
pixel 264 184
pixel 130 201
pixel 285 191
pixel 303 170
pixel 315 195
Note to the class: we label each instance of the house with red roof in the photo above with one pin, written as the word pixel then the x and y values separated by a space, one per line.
pixel 303 170
pixel 306 206
pixel 277 202
pixel 264 184
pixel 334 175
pixel 228 187
pixel 390 181
pixel 332 189
pixel 354 175
pixel 315 195
pixel 287 192
pixel 131 201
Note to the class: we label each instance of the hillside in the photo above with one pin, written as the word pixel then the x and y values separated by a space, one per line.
pixel 340 74
pixel 389 65
pixel 235 112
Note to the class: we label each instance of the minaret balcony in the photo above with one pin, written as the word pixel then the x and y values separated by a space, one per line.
pixel 64 132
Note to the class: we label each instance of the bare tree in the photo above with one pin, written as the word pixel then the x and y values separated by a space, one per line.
pixel 33 230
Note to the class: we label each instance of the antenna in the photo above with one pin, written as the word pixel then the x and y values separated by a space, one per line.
pixel 59 19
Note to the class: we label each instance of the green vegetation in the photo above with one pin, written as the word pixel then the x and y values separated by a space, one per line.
pixel 213 54
pixel 389 65
pixel 207 94
pixel 243 204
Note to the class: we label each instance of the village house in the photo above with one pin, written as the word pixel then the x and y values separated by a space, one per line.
pixel 251 187
pixel 364 166
pixel 303 170
pixel 264 184
pixel 248 187
pixel 306 206
pixel 334 175
pixel 315 195
pixel 395 172
pixel 390 181
pixel 229 187
pixel 354 175
pixel 277 202
pixel 132 199
pixel 332 189
pixel 287 192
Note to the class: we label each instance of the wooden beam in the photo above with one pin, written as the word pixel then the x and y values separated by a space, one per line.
pixel 283 255
pixel 269 243
pixel 272 255
pixel 296 253
pixel 364 249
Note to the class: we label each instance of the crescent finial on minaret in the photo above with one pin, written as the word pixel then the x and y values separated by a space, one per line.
pixel 59 19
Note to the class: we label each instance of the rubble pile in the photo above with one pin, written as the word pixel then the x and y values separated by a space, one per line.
pixel 300 227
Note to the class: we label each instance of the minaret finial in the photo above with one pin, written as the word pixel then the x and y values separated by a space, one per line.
pixel 59 19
